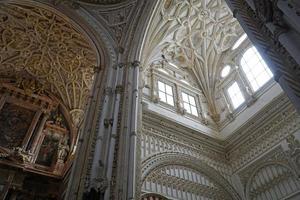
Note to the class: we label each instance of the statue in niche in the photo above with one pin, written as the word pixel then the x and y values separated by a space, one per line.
pixel 63 150
pixel 14 124
pixel 48 150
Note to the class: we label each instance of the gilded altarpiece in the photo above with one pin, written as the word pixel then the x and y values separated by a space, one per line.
pixel 47 68
pixel 35 137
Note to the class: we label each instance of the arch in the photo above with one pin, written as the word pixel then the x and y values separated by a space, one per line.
pixel 265 166
pixel 160 160
pixel 76 110
pixel 92 76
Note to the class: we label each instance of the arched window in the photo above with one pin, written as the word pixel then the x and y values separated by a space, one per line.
pixel 235 95
pixel 239 41
pixel 255 68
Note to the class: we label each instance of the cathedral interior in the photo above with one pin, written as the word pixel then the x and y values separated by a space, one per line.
pixel 149 100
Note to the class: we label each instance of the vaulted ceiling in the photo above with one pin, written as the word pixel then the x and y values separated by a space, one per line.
pixel 46 46
pixel 194 35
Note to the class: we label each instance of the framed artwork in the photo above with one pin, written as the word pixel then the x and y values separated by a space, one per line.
pixel 48 150
pixel 15 122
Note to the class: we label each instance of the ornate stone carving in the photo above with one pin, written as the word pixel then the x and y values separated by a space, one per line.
pixel 294 151
pixel 265 136
pixel 165 159
pixel 271 48
pixel 194 35
pixel 117 18
pixel 49 48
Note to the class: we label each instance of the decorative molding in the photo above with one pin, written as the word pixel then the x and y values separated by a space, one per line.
pixel 167 159
pixel 60 55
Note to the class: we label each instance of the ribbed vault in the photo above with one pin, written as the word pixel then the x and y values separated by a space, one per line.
pixel 194 35
pixel 39 43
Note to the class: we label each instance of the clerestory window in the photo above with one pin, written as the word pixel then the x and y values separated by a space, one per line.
pixel 235 95
pixel 189 104
pixel 255 69
pixel 239 41
pixel 165 93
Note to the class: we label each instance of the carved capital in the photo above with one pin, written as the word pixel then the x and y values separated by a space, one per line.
pixel 135 63
pixel 108 91
pixel 119 89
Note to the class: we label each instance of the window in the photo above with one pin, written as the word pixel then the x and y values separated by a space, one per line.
pixel 165 93
pixel 225 71
pixel 255 68
pixel 189 104
pixel 239 41
pixel 235 95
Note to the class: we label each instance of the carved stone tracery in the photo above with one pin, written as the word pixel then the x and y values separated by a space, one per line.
pixel 45 45
pixel 194 35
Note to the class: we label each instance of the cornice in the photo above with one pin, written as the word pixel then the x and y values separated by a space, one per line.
pixel 263 118
pixel 188 134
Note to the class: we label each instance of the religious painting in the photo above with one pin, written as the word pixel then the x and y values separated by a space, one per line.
pixel 48 150
pixel 14 124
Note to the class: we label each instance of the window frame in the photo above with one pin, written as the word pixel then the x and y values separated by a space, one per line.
pixel 166 83
pixel 228 96
pixel 190 105
pixel 244 75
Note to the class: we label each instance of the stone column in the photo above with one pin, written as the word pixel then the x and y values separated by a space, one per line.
pixel 124 176
pixel 113 134
pixel 281 63
pixel 102 165
pixel 87 176
pixel 133 130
